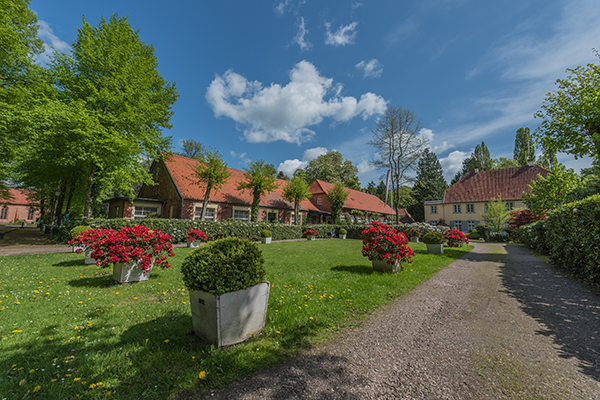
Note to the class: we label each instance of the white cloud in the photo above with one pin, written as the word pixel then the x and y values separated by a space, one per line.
pixel 281 7
pixel 286 112
pixel 299 39
pixel 50 40
pixel 371 69
pixel 289 166
pixel 365 167
pixel 343 36
pixel 236 155
pixel 453 163
pixel 356 5
pixel 434 145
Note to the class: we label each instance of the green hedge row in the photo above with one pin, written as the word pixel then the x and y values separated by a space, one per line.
pixel 570 237
pixel 178 228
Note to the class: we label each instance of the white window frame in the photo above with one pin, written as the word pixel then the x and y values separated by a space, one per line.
pixel 509 205
pixel 486 207
pixel 457 207
pixel 433 210
pixel 198 213
pixel 458 225
pixel 241 209
pixel 470 208
pixel 141 212
pixel 4 212
pixel 471 225
pixel 319 201
pixel 276 212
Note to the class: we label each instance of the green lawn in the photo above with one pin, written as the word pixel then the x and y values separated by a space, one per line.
pixel 66 330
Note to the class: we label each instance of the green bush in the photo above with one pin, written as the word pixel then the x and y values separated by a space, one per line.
pixel 473 235
pixel 225 265
pixel 77 230
pixel 533 236
pixel 433 238
pixel 343 231
pixel 265 233
pixel 481 228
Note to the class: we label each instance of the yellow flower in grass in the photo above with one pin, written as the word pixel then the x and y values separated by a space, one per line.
pixel 76 379
pixel 167 341
pixel 37 388
pixel 202 374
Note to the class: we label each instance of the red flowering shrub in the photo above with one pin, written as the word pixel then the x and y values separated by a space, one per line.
pixel 196 234
pixel 133 243
pixel 382 243
pixel 309 233
pixel 526 217
pixel 87 238
pixel 455 238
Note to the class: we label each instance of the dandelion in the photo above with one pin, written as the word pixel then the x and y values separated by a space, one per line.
pixel 76 379
pixel 202 374
pixel 37 388
pixel 17 331
pixel 93 386
pixel 167 341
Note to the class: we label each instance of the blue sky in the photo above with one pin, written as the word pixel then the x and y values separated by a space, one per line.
pixel 287 80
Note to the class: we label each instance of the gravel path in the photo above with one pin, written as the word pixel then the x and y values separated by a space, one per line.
pixel 497 324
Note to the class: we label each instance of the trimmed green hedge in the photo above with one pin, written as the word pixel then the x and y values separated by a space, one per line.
pixel 570 237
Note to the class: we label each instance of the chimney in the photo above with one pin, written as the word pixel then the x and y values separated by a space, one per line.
pixel 531 163
pixel 476 170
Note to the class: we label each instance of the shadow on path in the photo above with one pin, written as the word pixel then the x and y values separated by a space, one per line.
pixel 569 311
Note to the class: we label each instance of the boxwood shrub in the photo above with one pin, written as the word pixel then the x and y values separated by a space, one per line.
pixel 223 266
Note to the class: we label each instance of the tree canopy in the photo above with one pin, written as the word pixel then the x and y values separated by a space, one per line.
pixel 430 184
pixel 496 215
pixel 259 178
pixel 211 172
pixel 191 148
pixel 553 190
pixel 399 144
pixel 480 159
pixel 332 168
pixel 336 197
pixel 524 147
pixel 571 115
pixel 295 191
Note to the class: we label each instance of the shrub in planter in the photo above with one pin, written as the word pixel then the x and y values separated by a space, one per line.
pixel 342 233
pixel 228 297
pixel 195 237
pixel 455 238
pixel 433 238
pixel 309 233
pixel 382 243
pixel 265 233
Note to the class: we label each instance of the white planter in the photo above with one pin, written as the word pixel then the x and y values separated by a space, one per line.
pixel 194 244
pixel 342 236
pixel 79 247
pixel 230 318
pixel 382 266
pixel 435 248
pixel 313 238
pixel 266 240
pixel 130 272
pixel 414 239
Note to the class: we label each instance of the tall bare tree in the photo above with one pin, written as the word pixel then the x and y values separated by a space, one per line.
pixel 399 145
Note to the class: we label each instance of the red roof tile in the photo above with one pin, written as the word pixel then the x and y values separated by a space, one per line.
pixel 19 197
pixel 356 199
pixel 181 169
pixel 509 183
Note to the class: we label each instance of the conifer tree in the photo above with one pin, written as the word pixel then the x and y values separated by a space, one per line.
pixel 430 184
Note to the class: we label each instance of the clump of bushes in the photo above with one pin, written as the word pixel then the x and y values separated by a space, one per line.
pixel 223 266
pixel 265 233
pixel 77 230
pixel 433 238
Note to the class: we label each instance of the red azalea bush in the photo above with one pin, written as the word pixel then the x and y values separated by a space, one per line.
pixel 382 243
pixel 309 232
pixel 455 238
pixel 133 243
pixel 87 238
pixel 414 231
pixel 196 234
pixel 526 217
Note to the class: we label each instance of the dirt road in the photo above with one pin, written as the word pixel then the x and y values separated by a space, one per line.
pixel 496 324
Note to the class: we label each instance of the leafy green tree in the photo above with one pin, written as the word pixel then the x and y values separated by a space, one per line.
pixel 504 162
pixel 282 176
pixel 497 215
pixel 332 168
pixel 111 78
pixel 259 178
pixel 191 148
pixel 524 147
pixel 553 190
pixel 211 172
pixel 295 191
pixel 19 77
pixel 571 114
pixel 399 145
pixel 478 160
pixel 430 184
pixel 336 197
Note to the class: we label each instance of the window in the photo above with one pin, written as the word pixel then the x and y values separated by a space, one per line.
pixel 30 215
pixel 142 212
pixel 457 209
pixel 241 215
pixel 470 208
pixel 485 207
pixel 458 225
pixel 432 223
pixel 272 216
pixel 433 209
pixel 209 216
pixel 319 201
pixel 3 212
pixel 509 205
pixel 471 225
pixel 293 220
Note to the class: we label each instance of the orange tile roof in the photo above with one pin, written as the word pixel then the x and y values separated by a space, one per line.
pixel 509 183
pixel 356 199
pixel 181 169
pixel 19 197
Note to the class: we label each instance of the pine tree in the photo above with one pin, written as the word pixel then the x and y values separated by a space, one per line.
pixel 524 147
pixel 430 184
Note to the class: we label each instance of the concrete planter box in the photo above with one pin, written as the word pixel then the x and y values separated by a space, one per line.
pixel 266 240
pixel 88 258
pixel 193 244
pixel 435 248
pixel 130 272
pixel 310 238
pixel 79 248
pixel 342 236
pixel 382 266
pixel 230 318
pixel 414 239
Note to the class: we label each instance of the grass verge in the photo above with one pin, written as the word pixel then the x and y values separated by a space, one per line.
pixel 67 331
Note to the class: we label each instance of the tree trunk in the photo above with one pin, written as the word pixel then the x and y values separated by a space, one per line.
pixel 297 212
pixel 254 211
pixel 59 206
pixel 205 204
pixel 87 210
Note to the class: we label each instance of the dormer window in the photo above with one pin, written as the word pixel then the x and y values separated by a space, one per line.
pixel 319 200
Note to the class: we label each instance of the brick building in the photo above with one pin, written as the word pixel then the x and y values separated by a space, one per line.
pixel 19 206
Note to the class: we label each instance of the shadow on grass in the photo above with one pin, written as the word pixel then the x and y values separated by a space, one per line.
pixel 355 269
pixel 93 282
pixel 70 263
